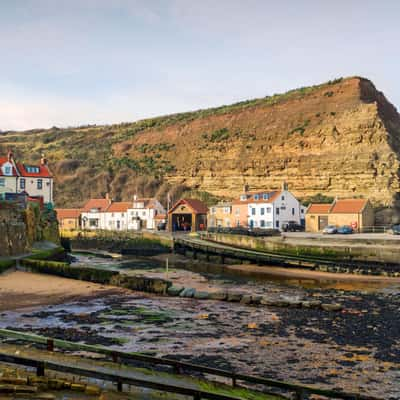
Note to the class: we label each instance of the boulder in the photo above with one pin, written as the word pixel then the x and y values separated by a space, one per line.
pixel 267 302
pixel 201 295
pixel 175 290
pixel 187 292
pixel 311 304
pixel 246 299
pixel 234 296
pixel 218 296
pixel 332 307
pixel 256 299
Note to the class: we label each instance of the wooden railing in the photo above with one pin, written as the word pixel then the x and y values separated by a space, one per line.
pixel 301 391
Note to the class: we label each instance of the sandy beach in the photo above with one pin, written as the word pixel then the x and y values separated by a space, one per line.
pixel 24 289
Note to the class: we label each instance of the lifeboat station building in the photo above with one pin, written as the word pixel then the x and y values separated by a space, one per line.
pixel 187 215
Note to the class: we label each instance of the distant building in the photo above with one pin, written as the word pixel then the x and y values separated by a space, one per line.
pixel 34 180
pixel 93 213
pixel 143 213
pixel 69 219
pixel 220 215
pixel 267 209
pixel 187 215
pixel 357 213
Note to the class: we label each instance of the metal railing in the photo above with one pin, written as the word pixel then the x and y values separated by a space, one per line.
pixel 301 391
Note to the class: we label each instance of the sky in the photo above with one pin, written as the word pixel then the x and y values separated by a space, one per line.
pixel 76 62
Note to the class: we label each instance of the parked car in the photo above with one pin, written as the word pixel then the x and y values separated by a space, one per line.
pixel 345 230
pixel 292 226
pixel 395 229
pixel 161 226
pixel 330 229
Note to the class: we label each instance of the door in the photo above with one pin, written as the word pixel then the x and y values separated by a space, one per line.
pixel 322 222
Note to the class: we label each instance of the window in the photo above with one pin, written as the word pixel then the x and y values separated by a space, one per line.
pixel 227 210
pixel 213 210
pixel 7 170
pixel 277 211
pixel 144 213
pixel 292 211
pixel 256 197
pixel 269 224
pixel 268 210
pixel 40 184
pixel 283 198
pixel 22 183
pixel 122 215
pixel 253 211
pixel 277 224
pixel 32 170
pixel 265 196
pixel 283 207
pixel 262 223
pixel 2 182
pixel 243 197
pixel 237 211
pixel 262 211
pixel 302 211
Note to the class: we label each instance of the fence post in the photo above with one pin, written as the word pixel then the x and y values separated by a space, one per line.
pixel 119 386
pixel 40 368
pixel 50 345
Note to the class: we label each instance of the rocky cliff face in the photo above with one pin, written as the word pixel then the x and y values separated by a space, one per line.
pixel 341 138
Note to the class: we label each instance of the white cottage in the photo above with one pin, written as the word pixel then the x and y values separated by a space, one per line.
pixel 143 213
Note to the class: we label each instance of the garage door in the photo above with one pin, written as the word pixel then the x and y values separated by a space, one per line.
pixel 322 222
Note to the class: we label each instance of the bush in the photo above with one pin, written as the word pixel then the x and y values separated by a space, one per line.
pixel 219 135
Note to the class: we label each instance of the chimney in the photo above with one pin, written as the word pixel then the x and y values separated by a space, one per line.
pixel 134 197
pixel 43 160
pixel 10 155
pixel 285 186
pixel 245 188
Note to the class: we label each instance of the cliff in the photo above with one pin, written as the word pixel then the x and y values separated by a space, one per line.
pixel 341 138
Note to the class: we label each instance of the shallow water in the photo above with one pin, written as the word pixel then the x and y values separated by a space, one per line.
pixel 356 350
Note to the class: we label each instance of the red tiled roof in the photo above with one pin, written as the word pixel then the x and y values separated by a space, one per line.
pixel 250 198
pixel 3 160
pixel 63 213
pixel 348 206
pixel 43 171
pixel 101 204
pixel 160 216
pixel 196 205
pixel 319 208
pixel 119 206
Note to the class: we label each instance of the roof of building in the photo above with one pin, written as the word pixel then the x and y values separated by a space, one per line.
pixel 119 206
pixel 63 213
pixel 319 208
pixel 348 206
pixel 196 205
pixel 43 171
pixel 100 204
pixel 3 160
pixel 160 216
pixel 250 197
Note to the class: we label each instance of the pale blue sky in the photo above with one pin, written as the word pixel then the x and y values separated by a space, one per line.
pixel 72 62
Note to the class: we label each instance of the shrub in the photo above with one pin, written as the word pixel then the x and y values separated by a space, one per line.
pixel 219 135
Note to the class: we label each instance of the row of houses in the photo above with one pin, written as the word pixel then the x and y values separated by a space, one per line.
pixel 34 180
pixel 106 214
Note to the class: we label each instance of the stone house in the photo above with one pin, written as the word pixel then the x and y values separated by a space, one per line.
pixel 220 215
pixel 69 219
pixel 357 213
pixel 267 209
pixel 34 180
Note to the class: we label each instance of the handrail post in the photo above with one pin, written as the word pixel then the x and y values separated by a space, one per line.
pixel 119 385
pixel 50 345
pixel 233 380
pixel 40 367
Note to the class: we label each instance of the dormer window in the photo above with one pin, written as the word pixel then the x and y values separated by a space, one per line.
pixel 7 170
pixel 256 197
pixel 243 197
pixel 265 196
pixel 32 170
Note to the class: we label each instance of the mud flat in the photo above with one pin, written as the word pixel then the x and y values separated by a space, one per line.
pixel 24 289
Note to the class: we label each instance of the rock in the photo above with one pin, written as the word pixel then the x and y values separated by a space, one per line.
pixel 281 303
pixel 256 299
pixel 332 307
pixel 44 396
pixel 267 302
pixel 294 303
pixel 7 389
pixel 218 295
pixel 92 390
pixel 246 299
pixel 311 304
pixel 25 389
pixel 56 384
pixel 201 295
pixel 175 290
pixel 234 296
pixel 14 381
pixel 187 292
pixel 78 387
